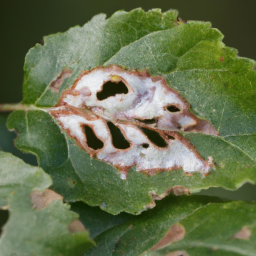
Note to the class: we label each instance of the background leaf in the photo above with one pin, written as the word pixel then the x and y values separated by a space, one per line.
pixel 232 234
pixel 211 227
pixel 39 223
pixel 219 86
pixel 7 142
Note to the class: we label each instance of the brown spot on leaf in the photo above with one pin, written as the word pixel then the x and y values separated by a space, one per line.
pixel 180 190
pixel 180 20
pixel 55 85
pixel 5 207
pixel 41 200
pixel 206 174
pixel 176 190
pixel 76 226
pixel 151 205
pixel 174 234
pixel 177 253
pixel 243 234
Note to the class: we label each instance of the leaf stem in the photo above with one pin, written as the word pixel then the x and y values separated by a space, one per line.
pixel 15 106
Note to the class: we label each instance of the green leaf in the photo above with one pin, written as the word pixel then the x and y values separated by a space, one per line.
pixel 232 234
pixel 195 225
pixel 7 144
pixel 39 222
pixel 219 86
pixel 83 48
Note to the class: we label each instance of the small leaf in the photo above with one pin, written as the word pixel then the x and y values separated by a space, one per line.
pixel 39 222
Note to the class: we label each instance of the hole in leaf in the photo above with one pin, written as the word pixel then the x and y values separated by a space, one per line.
pixel 145 145
pixel 173 109
pixel 170 137
pixel 154 137
pixel 118 138
pixel 92 140
pixel 4 216
pixel 147 121
pixel 111 89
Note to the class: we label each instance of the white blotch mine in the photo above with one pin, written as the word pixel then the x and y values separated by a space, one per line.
pixel 174 155
pixel 146 99
pixel 145 105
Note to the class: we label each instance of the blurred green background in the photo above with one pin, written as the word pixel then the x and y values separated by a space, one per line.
pixel 24 23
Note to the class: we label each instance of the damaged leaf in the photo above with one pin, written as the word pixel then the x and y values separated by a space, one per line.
pixel 196 225
pixel 39 222
pixel 148 104
pixel 174 234
pixel 217 229
pixel 151 148
pixel 132 235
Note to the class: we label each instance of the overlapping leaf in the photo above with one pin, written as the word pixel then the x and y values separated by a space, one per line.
pixel 195 225
pixel 39 222
pixel 219 86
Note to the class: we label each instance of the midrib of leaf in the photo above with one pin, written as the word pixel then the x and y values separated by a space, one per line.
pixel 238 135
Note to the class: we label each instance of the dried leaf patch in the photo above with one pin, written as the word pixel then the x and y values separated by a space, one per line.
pixel 55 85
pixel 5 207
pixel 41 200
pixel 177 253
pixel 76 226
pixel 174 234
pixel 243 234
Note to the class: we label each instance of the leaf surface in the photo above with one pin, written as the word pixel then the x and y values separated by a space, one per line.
pixel 218 85
pixel 39 222
pixel 195 225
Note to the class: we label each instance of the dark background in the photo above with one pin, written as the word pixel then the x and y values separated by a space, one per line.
pixel 24 23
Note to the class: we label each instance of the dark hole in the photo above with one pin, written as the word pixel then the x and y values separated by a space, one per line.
pixel 154 137
pixel 111 89
pixel 92 140
pixel 173 108
pixel 145 145
pixel 147 121
pixel 170 137
pixel 4 215
pixel 118 138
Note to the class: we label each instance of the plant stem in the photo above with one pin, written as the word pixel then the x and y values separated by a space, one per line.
pixel 13 107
